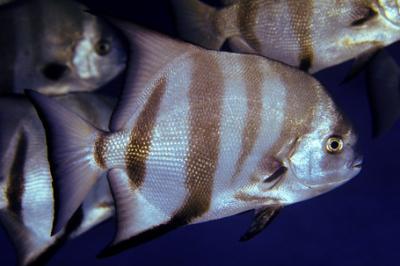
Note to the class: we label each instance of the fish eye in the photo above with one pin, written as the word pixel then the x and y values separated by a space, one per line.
pixel 103 47
pixel 334 145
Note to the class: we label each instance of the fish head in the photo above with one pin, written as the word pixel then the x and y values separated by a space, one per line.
pixel 390 11
pixel 99 56
pixel 354 28
pixel 326 156
pixel 82 61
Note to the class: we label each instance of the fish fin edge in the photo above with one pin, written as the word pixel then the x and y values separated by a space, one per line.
pixel 137 220
pixel 262 218
pixel 194 20
pixel 70 141
pixel 150 52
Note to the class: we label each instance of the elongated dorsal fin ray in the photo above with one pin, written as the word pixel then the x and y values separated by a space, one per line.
pixel 137 220
pixel 70 141
pixel 149 53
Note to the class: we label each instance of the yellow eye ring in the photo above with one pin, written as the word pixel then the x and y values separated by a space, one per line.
pixel 334 145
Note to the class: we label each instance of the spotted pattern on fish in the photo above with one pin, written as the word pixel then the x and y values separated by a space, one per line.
pixel 15 188
pixel 138 148
pixel 253 117
pixel 301 13
pixel 205 122
pixel 247 16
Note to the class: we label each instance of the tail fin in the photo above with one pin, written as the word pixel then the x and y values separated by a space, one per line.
pixel 70 141
pixel 197 23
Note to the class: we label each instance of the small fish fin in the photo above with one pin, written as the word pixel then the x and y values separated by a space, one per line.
pixel 360 63
pixel 196 22
pixel 149 53
pixel 280 171
pixel 262 218
pixel 237 44
pixel 383 84
pixel 35 248
pixel 137 220
pixel 70 141
pixel 28 246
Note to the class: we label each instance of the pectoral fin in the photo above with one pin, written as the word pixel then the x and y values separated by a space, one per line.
pixel 263 217
pixel 383 83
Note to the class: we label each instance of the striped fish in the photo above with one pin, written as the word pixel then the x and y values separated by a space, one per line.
pixel 199 135
pixel 310 35
pixel 26 193
pixel 56 47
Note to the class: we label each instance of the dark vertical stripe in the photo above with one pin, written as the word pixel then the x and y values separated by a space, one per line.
pixel 253 115
pixel 247 17
pixel 16 182
pixel 205 98
pixel 100 151
pixel 138 148
pixel 301 13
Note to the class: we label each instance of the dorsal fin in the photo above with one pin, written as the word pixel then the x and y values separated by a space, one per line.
pixel 149 53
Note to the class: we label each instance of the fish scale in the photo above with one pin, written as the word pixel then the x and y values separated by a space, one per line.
pixel 187 101
pixel 26 203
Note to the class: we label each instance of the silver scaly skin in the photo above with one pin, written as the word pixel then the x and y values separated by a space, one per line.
pixel 26 193
pixel 56 47
pixel 308 34
pixel 199 135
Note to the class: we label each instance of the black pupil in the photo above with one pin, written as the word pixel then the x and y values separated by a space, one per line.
pixel 103 47
pixel 334 145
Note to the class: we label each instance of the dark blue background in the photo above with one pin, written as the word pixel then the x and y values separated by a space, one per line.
pixel 356 224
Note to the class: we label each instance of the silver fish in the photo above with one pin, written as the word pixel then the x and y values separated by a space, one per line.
pixel 56 47
pixel 199 135
pixel 26 201
pixel 311 35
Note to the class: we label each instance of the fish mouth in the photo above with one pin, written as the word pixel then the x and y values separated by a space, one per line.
pixel 390 10
pixel 357 163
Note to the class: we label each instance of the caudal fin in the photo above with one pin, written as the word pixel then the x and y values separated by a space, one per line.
pixel 197 23
pixel 70 141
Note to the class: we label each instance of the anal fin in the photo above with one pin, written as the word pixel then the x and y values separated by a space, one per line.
pixel 137 220
pixel 263 217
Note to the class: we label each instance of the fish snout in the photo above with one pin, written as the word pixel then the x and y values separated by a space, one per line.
pixel 357 162
pixel 390 10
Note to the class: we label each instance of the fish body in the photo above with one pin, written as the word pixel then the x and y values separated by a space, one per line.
pixel 311 35
pixel 56 47
pixel 199 135
pixel 26 202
